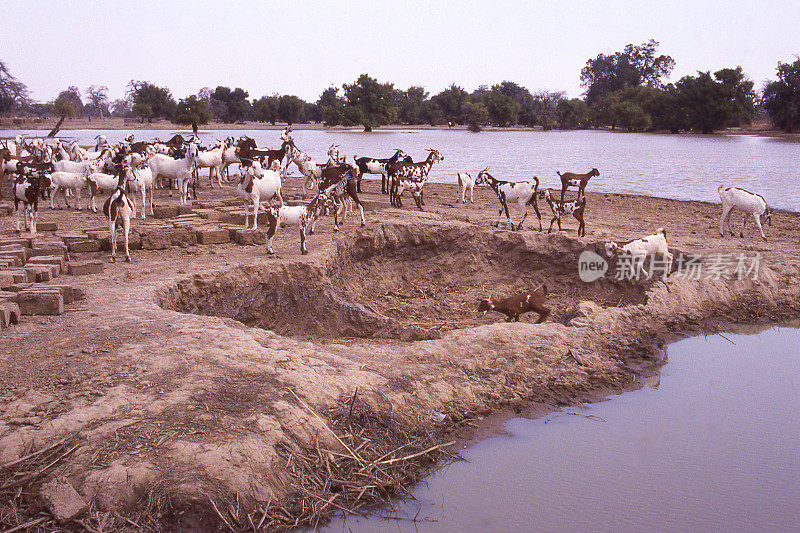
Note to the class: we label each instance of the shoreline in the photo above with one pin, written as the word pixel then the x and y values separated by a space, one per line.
pixel 224 366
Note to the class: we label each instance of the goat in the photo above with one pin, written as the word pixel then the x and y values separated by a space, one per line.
pixel 102 142
pixel 340 182
pixel 641 248
pixel 559 209
pixel 212 160
pixel 524 192
pixel 466 181
pixel 26 189
pixel 752 204
pixel 180 169
pixel 518 304
pixel 140 179
pixel 67 181
pixel 570 179
pixel 259 185
pixel 246 149
pixel 99 182
pixel 372 165
pixel 118 208
pixel 310 170
pixel 304 216
pixel 412 176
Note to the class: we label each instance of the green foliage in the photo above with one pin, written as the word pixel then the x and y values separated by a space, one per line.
pixel 451 104
pixel 712 103
pixel 265 109
pixel 68 104
pixel 411 104
pixel 634 66
pixel 781 98
pixel 230 105
pixel 150 101
pixel 369 103
pixel 190 111
pixel 476 115
pixel 13 93
pixel 572 114
pixel 291 109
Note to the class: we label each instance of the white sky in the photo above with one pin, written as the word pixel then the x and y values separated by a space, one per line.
pixel 297 47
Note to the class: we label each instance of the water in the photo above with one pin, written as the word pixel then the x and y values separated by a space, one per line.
pixel 715 447
pixel 686 167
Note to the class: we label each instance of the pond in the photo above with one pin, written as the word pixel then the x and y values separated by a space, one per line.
pixel 712 444
pixel 686 167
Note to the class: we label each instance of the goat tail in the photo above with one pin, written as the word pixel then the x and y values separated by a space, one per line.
pixel 719 190
pixel 662 231
pixel 559 173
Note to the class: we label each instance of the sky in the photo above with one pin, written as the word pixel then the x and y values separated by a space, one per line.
pixel 298 47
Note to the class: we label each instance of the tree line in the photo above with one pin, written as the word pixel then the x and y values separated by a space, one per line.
pixel 625 90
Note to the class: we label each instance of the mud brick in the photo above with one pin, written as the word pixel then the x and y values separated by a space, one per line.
pixel 9 313
pixel 104 241
pixel 8 296
pixel 84 246
pixel 232 201
pixel 21 253
pixel 21 275
pixel 40 303
pixel 50 248
pixel 6 279
pixel 208 214
pixel 212 235
pixel 248 237
pixel 20 241
pixel 63 501
pixel 184 209
pixel 19 287
pixel 78 294
pixel 40 272
pixel 47 226
pixel 188 216
pixel 48 260
pixel 71 237
pixel 81 268
pixel 161 238
pixel 165 211
pixel 66 291
pixel 7 262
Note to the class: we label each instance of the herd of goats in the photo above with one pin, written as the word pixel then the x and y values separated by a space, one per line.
pixel 41 168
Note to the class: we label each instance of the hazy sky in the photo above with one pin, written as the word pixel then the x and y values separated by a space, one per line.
pixel 296 47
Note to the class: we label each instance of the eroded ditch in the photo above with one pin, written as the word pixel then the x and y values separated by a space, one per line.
pixel 407 282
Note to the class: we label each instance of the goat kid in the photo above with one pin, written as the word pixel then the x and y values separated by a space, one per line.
pixel 570 179
pixel 466 181
pixel 118 208
pixel 641 248
pixel 26 190
pixel 518 304
pixel 304 216
pixel 737 199
pixel 560 209
pixel 524 192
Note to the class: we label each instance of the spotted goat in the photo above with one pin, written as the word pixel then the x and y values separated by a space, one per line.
pixel 411 176
pixel 374 165
pixel 560 209
pixel 524 192
pixel 304 216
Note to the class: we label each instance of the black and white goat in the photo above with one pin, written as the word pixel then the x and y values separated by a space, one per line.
pixel 524 192
pixel 27 189
pixel 340 182
pixel 304 216
pixel 373 165
pixel 118 209
pixel 411 176
pixel 560 209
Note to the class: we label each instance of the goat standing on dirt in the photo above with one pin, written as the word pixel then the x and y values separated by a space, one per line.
pixel 570 179
pixel 304 216
pixel 641 248
pixel 516 305
pixel 559 209
pixel 119 209
pixel 466 181
pixel 752 204
pixel 524 192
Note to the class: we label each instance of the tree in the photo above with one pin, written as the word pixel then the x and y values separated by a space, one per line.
pixel 711 103
pixel 476 115
pixel 150 101
pixel 781 98
pixel 265 109
pixel 190 111
pixel 411 104
pixel 331 106
pixel 120 108
pixel 230 105
pixel 634 66
pixel 451 103
pixel 68 104
pixel 503 110
pixel 572 113
pixel 97 97
pixel 290 109
pixel 369 103
pixel 543 108
pixel 13 93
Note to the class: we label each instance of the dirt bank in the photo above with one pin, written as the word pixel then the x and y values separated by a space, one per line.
pixel 214 383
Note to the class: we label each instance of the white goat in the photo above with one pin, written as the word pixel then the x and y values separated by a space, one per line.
pixel 99 182
pixel 641 248
pixel 118 208
pixel 67 181
pixel 466 181
pixel 141 179
pixel 259 185
pixel 735 198
pixel 180 169
pixel 309 168
pixel 212 160
pixel 304 216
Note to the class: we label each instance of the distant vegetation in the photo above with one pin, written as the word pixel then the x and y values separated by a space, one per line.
pixel 626 90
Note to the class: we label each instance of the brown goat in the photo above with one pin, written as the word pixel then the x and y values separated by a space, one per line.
pixel 575 180
pixel 516 305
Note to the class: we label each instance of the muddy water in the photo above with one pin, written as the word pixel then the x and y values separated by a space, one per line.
pixel 686 167
pixel 714 445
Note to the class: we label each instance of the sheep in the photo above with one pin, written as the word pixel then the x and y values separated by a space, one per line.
pixel 639 249
pixel 118 209
pixel 576 208
pixel 524 192
pixel 412 176
pixel 181 169
pixel 257 185
pixel 570 179
pixel 518 304
pixel 26 189
pixel 304 216
pixel 466 181
pixel 752 204
pixel 67 181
